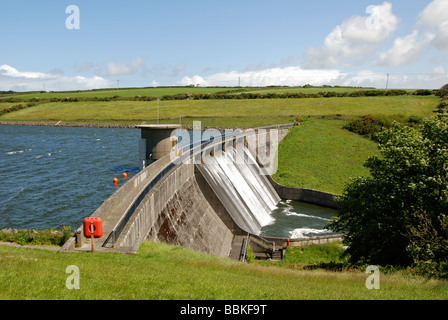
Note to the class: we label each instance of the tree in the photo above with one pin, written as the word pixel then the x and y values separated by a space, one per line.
pixel 396 215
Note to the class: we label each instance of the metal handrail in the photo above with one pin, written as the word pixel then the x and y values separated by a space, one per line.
pixel 244 248
pixel 266 244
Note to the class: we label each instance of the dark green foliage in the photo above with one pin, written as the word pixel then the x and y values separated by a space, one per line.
pixel 36 237
pixel 17 107
pixel 397 215
pixel 367 126
pixel 443 107
pixel 423 92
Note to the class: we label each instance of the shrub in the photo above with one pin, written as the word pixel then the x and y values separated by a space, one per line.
pixel 423 92
pixel 367 126
pixel 36 237
pixel 415 119
pixel 443 107
pixel 397 215
pixel 250 257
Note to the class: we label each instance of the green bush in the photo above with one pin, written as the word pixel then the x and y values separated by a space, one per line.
pixel 443 107
pixel 250 257
pixel 36 237
pixel 367 126
pixel 423 92
pixel 397 215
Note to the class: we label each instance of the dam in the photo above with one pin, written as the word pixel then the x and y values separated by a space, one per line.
pixel 208 191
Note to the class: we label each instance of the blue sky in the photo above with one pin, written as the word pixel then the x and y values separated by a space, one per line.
pixel 137 43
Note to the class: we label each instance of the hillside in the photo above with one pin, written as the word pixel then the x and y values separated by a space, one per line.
pixel 160 272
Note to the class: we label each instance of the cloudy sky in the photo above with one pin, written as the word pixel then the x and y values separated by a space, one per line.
pixel 80 44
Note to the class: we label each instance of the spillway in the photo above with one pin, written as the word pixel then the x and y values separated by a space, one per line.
pixel 243 190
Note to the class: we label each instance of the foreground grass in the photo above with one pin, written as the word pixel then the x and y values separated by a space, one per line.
pixel 161 271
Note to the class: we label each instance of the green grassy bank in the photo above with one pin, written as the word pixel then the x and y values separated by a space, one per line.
pixel 319 154
pixel 161 271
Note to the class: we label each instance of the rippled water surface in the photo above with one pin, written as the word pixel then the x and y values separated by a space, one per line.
pixel 56 176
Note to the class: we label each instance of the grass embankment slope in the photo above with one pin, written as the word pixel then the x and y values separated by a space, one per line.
pixel 160 271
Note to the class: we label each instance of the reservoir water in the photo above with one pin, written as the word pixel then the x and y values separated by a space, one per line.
pixel 56 176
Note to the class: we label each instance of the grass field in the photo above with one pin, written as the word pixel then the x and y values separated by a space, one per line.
pixel 162 271
pixel 225 113
pixel 320 155
pixel 125 92
pixel 311 90
pixel 163 91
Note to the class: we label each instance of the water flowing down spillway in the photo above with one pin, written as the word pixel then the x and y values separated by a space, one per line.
pixel 246 194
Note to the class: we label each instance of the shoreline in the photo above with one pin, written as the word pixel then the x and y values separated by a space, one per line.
pixel 96 125
pixel 68 124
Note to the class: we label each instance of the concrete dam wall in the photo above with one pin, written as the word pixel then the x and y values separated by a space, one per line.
pixel 181 211
pixel 199 200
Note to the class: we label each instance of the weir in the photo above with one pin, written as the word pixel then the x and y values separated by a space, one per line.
pixel 207 195
pixel 246 194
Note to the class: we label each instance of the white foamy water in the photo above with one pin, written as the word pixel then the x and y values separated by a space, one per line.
pixel 307 232
pixel 299 220
pixel 247 195
pixel 290 213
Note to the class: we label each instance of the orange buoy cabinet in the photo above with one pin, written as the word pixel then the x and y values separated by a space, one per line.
pixel 97 227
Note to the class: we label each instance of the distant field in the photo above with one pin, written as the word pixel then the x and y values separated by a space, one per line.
pixel 164 91
pixel 225 113
pixel 154 92
pixel 311 90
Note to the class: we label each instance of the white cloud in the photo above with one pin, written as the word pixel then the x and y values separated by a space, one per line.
pixel 13 79
pixel 195 80
pixel 353 40
pixel 177 69
pixel 434 14
pixel 115 69
pixel 441 37
pixel 288 76
pixel 8 71
pixel 85 67
pixel 435 19
pixel 297 76
pixel 405 50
